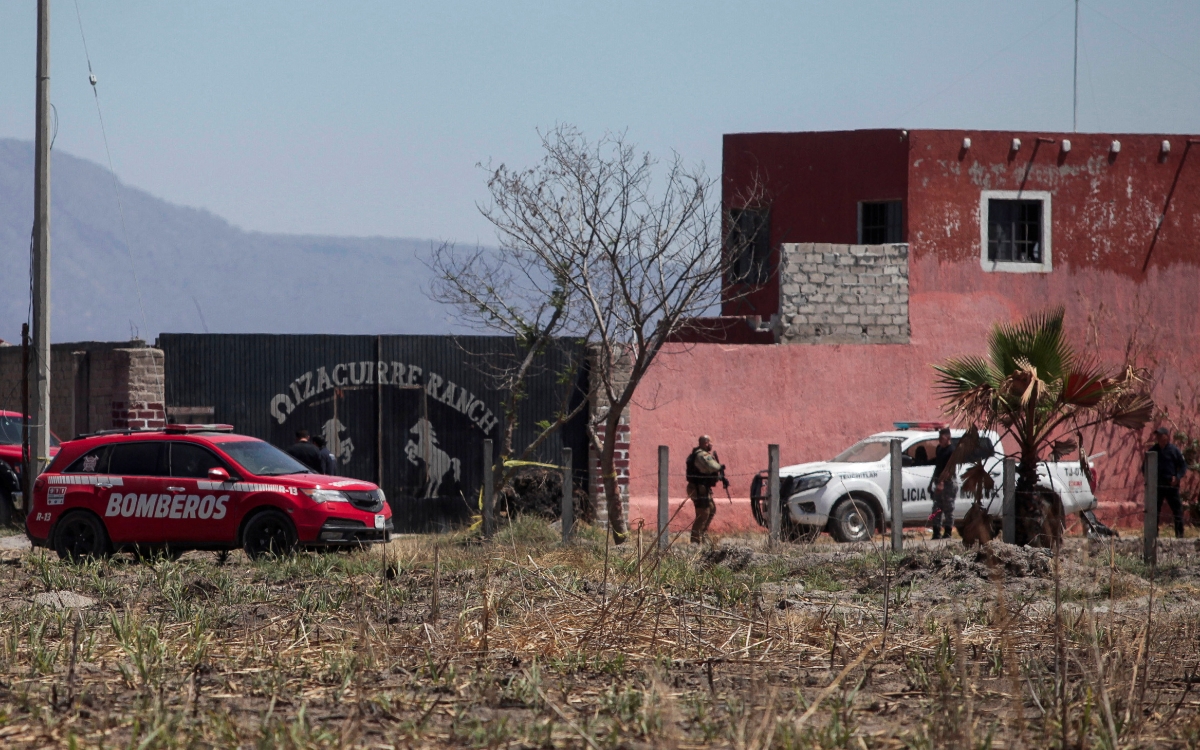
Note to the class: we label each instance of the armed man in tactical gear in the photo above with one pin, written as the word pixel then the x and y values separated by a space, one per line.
pixel 704 470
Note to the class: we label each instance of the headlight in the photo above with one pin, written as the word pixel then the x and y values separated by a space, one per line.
pixel 327 496
pixel 811 481
pixel 382 497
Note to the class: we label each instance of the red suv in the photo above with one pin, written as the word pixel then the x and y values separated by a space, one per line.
pixel 195 487
pixel 11 423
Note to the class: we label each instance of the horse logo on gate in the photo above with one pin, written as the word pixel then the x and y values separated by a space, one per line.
pixel 437 462
pixel 341 447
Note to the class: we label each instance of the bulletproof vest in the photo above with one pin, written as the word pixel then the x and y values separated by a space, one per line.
pixel 696 477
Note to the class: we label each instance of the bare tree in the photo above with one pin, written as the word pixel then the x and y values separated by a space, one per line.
pixel 511 293
pixel 626 247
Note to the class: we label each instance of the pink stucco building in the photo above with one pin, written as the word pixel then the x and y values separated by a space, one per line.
pixel 823 340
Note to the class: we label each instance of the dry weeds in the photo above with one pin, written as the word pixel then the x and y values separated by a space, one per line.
pixel 525 643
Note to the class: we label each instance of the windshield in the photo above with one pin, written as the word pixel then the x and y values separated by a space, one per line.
pixel 262 459
pixel 864 452
pixel 10 432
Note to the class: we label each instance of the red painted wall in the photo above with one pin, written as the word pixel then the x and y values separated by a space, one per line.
pixel 816 399
pixel 813 182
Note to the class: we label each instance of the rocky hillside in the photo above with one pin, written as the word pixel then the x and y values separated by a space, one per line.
pixel 196 271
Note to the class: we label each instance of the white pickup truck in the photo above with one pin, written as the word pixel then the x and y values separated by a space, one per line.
pixel 821 496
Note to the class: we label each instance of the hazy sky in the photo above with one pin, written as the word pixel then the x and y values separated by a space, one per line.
pixel 368 118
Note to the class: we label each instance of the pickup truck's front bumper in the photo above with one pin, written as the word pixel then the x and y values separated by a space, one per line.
pixel 802 507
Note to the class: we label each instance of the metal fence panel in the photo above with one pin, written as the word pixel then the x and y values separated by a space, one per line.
pixel 407 412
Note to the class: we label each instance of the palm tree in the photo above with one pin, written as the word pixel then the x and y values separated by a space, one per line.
pixel 1035 389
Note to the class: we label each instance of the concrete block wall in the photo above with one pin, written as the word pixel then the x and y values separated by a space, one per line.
pixel 93 386
pixel 843 294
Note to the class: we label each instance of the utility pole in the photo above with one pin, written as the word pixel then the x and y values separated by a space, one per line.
pixel 39 361
pixel 1075 77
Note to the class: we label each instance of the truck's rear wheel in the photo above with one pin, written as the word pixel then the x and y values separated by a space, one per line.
pixel 852 520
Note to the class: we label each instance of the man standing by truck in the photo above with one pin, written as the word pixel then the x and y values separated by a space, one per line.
pixel 1171 468
pixel 943 488
pixel 703 473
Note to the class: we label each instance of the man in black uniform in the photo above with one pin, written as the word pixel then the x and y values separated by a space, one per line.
pixel 704 470
pixel 1171 468
pixel 943 489
pixel 305 452
pixel 328 462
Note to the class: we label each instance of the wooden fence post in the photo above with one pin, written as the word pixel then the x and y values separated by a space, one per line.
pixel 1150 528
pixel 1008 502
pixel 897 497
pixel 568 495
pixel 664 534
pixel 489 499
pixel 773 513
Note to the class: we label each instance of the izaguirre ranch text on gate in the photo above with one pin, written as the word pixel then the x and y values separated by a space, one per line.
pixel 358 374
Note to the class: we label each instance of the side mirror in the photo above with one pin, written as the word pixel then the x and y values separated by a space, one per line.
pixel 217 474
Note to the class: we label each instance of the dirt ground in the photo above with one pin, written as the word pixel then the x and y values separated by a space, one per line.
pixel 447 642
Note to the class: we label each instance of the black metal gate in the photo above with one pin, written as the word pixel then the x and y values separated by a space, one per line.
pixel 409 413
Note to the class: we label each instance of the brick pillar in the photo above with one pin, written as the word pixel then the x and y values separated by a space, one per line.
pixel 137 395
pixel 599 413
pixel 94 386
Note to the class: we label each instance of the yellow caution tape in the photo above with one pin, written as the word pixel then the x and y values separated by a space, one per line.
pixel 477 521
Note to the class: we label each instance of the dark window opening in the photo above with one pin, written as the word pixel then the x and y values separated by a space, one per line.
pixel 1014 231
pixel 193 461
pixel 749 247
pixel 881 223
pixel 138 459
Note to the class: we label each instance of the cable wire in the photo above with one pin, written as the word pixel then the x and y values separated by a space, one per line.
pixel 120 206
pixel 1141 39
pixel 1036 28
pixel 112 172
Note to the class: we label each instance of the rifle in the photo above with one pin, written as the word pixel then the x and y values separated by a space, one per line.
pixel 721 477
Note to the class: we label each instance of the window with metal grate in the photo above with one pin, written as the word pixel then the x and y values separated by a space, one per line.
pixel 1014 231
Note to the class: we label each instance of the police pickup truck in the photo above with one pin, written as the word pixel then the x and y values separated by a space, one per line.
pixel 848 495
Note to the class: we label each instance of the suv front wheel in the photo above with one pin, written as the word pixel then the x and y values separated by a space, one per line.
pixel 852 520
pixel 268 533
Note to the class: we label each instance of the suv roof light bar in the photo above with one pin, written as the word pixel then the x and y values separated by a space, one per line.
pixel 183 429
pixel 920 425
pixel 171 429
pixel 117 431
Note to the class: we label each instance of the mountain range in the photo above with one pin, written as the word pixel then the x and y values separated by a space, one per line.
pixel 195 271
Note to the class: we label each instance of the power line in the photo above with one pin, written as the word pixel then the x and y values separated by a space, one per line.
pixel 120 206
pixel 1091 86
pixel 1143 40
pixel 112 172
pixel 1036 28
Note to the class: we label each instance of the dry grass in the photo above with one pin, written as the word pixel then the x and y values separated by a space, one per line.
pixel 525 643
